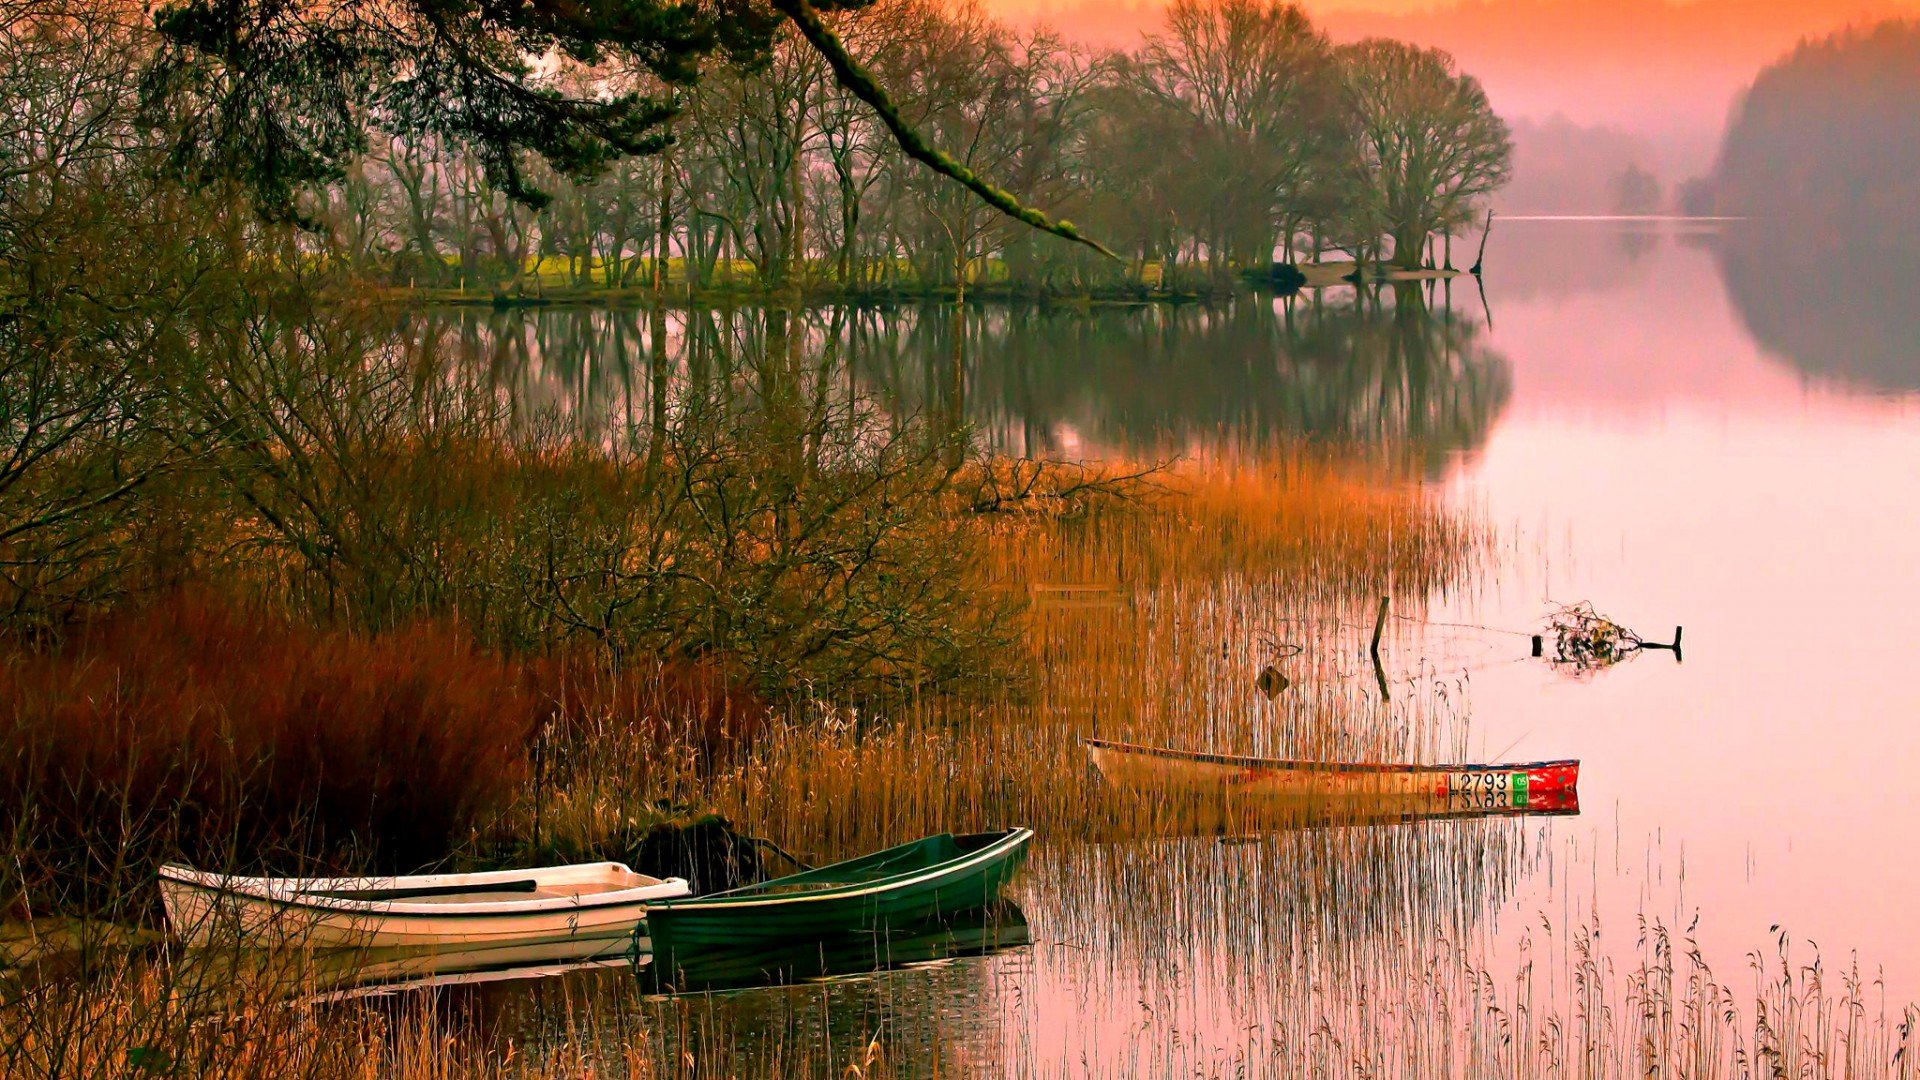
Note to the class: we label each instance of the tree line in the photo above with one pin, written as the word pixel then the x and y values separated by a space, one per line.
pixel 1235 136
pixel 1825 140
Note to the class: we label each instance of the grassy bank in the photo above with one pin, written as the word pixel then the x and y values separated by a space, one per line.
pixel 551 283
pixel 1150 624
pixel 204 725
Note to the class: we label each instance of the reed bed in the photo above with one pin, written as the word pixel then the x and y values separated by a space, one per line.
pixel 1161 946
pixel 1254 973
pixel 1165 949
pixel 1146 619
pixel 1363 953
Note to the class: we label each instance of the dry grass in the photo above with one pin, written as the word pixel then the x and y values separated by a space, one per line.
pixel 1162 950
pixel 1146 620
pixel 198 729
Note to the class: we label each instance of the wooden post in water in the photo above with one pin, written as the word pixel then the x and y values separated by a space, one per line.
pixel 1481 259
pixel 1673 648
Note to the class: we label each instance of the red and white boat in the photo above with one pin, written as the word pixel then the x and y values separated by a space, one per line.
pixel 1533 786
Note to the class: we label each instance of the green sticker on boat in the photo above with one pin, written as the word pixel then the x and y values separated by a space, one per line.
pixel 1519 789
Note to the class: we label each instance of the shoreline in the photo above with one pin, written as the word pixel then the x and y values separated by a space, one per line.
pixel 1313 277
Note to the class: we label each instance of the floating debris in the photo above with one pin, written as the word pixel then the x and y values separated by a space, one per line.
pixel 1271 682
pixel 1585 641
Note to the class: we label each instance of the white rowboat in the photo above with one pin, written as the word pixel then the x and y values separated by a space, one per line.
pixel 579 910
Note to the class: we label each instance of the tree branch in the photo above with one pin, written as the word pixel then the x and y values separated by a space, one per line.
pixel 862 85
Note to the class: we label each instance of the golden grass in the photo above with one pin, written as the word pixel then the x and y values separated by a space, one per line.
pixel 1147 621
pixel 1165 950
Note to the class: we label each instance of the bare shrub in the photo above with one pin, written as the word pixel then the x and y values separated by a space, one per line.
pixel 196 729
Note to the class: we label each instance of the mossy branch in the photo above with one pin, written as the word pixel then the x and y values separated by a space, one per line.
pixel 863 85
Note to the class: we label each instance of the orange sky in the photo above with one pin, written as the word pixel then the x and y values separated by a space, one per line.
pixel 1666 70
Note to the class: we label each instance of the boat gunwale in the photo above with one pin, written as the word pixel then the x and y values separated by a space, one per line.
pixel 1299 765
pixel 1012 840
pixel 208 881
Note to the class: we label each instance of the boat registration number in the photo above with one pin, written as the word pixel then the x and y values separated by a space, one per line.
pixel 1487 789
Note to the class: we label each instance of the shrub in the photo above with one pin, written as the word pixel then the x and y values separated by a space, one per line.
pixel 196 730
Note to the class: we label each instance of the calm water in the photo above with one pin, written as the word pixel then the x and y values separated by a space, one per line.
pixel 1659 419
pixel 1696 439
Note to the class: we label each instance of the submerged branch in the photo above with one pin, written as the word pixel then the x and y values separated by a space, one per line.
pixel 1058 487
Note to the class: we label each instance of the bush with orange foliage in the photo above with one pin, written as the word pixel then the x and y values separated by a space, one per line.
pixel 198 730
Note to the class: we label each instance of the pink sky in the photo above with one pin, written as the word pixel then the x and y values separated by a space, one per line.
pixel 1669 71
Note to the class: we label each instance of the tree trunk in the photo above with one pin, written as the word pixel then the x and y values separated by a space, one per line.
pixel 662 238
pixel 1408 242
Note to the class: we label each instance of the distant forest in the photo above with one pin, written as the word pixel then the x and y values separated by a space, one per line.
pixel 1830 136
pixel 1824 156
pixel 1235 135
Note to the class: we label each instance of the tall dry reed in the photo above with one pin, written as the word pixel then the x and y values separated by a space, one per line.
pixel 1148 619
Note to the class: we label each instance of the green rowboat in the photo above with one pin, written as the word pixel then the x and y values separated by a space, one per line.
pixel 969 933
pixel 902 886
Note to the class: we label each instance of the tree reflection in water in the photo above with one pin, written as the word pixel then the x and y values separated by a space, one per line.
pixel 1839 308
pixel 1403 368
pixel 1393 368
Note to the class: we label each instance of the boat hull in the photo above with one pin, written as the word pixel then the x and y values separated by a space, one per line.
pixel 970 933
pixel 732 922
pixel 1384 790
pixel 207 910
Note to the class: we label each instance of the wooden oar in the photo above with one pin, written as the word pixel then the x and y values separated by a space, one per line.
pixel 524 885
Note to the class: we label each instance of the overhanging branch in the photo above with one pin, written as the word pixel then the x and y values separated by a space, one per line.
pixel 855 78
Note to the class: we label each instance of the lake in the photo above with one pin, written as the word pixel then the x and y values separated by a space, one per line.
pixel 1651 416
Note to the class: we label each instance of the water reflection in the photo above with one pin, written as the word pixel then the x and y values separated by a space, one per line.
pixel 1399 367
pixel 1839 308
pixel 1406 367
pixel 1122 958
pixel 1253 956
pixel 964 934
pixel 1720 442
pixel 1243 818
pixel 914 1003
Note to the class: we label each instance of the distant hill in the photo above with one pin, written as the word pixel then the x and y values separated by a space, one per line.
pixel 1824 155
pixel 1829 138
pixel 1663 70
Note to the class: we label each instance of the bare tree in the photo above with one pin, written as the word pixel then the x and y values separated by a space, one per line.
pixel 1003 105
pixel 1431 142
pixel 101 281
pixel 1252 90
pixel 752 130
